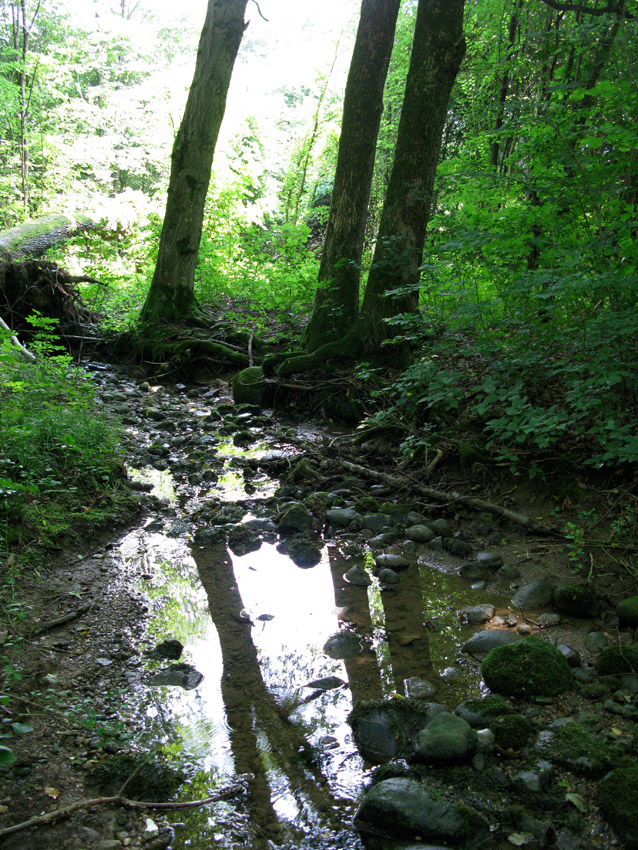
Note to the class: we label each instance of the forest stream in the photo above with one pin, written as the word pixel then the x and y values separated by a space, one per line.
pixel 249 629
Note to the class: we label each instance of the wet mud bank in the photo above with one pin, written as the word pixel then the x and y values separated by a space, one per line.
pixel 319 643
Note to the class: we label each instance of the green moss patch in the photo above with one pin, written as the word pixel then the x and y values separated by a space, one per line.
pixel 617 660
pixel 576 600
pixel 580 751
pixel 526 668
pixel 511 731
pixel 618 798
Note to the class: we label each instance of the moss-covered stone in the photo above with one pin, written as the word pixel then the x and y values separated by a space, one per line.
pixel 386 729
pixel 366 505
pixel 627 610
pixel 511 731
pixel 317 503
pixel 617 660
pixel 579 750
pixel 294 518
pixel 576 600
pixel 526 668
pixel 478 711
pixel 618 798
pixel 251 387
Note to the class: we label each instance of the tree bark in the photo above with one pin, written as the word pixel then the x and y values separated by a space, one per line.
pixel 337 298
pixel 437 52
pixel 171 296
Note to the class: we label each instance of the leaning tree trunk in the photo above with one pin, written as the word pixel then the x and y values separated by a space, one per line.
pixel 171 296
pixel 437 51
pixel 337 298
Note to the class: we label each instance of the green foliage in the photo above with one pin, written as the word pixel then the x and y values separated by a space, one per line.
pixel 57 452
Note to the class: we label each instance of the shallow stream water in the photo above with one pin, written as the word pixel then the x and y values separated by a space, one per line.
pixel 255 626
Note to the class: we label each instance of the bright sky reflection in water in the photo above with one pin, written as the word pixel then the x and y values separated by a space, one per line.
pixel 289 650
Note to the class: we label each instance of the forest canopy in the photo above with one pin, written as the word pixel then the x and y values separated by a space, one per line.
pixel 525 324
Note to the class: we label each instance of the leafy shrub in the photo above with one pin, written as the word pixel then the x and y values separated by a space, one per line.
pixel 56 450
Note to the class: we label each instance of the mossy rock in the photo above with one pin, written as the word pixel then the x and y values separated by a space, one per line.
pixel 618 799
pixel 627 610
pixel 387 729
pixel 317 504
pixel 576 600
pixel 530 667
pixel 251 387
pixel 579 750
pixel 617 660
pixel 478 711
pixel 155 781
pixel 303 471
pixel 304 553
pixel 511 731
pixel 366 505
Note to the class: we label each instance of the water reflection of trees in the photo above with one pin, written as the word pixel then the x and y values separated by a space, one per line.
pixel 398 617
pixel 262 737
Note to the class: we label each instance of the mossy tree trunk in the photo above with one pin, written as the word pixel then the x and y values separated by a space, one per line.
pixel 171 296
pixel 437 51
pixel 337 298
pixel 393 283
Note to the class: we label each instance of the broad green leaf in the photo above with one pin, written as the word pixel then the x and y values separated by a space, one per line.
pixel 6 755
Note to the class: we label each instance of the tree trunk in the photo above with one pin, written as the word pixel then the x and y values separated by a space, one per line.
pixel 171 296
pixel 337 297
pixel 437 52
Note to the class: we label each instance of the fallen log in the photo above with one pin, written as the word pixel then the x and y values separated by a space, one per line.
pixel 34 238
pixel 453 498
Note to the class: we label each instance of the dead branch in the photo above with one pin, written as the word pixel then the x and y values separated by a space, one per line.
pixel 450 498
pixel 588 10
pixel 65 811
pixel 28 355
pixel 60 621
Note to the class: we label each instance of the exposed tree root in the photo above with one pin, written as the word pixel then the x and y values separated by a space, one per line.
pixel 452 498
pixel 36 285
pixel 348 349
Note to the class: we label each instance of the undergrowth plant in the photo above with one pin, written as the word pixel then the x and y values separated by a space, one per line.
pixel 57 452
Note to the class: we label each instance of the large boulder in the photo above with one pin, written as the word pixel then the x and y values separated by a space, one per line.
pixel 533 596
pixel 405 808
pixel 531 667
